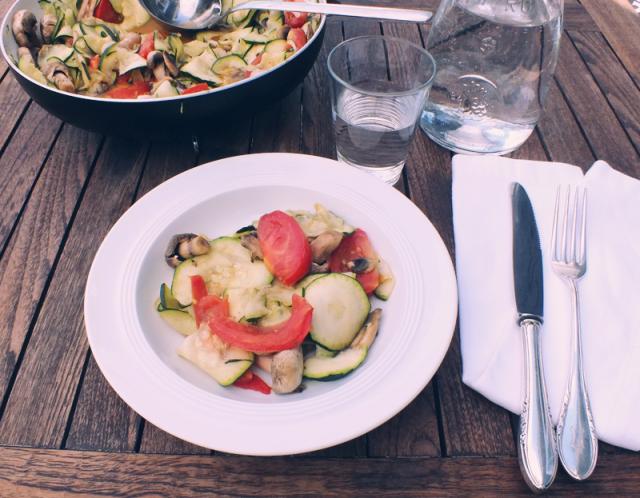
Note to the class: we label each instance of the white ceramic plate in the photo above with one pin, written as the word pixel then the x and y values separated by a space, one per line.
pixel 136 350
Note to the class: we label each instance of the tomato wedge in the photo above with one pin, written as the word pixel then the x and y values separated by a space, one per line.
pixel 200 87
pixel 105 11
pixel 356 246
pixel 147 45
pixel 128 91
pixel 94 62
pixel 295 19
pixel 286 335
pixel 249 380
pixel 286 250
pixel 297 37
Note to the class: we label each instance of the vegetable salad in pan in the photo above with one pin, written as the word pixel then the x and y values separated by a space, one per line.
pixel 289 295
pixel 112 49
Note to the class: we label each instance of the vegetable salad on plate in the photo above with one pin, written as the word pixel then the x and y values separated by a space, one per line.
pixel 289 295
pixel 112 49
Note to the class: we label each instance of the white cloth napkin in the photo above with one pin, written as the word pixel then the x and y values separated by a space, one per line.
pixel 491 341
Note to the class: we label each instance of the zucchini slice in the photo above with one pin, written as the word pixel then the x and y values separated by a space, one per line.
pixel 128 61
pixel 54 52
pixel 387 281
pixel 277 313
pixel 253 52
pixel 307 281
pixel 314 223
pixel 26 65
pixel 195 47
pixel 277 47
pixel 230 66
pixel 199 68
pixel 325 368
pixel 167 301
pixel 340 308
pixel 246 304
pixel 222 362
pixel 178 320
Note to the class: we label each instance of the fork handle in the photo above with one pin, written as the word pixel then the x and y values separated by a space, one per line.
pixel 577 439
pixel 537 453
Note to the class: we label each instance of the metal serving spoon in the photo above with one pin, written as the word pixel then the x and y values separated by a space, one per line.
pixel 201 14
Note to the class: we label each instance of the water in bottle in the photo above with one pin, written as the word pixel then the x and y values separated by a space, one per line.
pixel 495 60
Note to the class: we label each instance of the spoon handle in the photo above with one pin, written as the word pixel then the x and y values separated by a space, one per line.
pixel 409 15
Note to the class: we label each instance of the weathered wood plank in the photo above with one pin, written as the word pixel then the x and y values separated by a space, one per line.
pixel 278 127
pixel 21 163
pixel 157 441
pixel 42 396
pixel 601 127
pixel 27 262
pixel 101 420
pixel 616 84
pixel 13 102
pixel 560 133
pixel 620 25
pixel 55 473
pixel 317 126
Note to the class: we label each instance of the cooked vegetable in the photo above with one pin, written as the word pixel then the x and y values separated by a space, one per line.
pixel 224 297
pixel 286 370
pixel 340 307
pixel 286 251
pixel 213 356
pixel 287 335
pixel 106 42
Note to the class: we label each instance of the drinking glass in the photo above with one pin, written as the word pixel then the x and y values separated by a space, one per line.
pixel 378 89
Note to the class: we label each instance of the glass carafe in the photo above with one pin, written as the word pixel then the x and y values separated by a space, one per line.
pixel 495 60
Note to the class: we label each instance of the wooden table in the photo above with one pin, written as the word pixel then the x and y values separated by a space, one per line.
pixel 63 431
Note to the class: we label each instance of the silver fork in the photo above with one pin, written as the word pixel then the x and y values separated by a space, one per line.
pixel 576 435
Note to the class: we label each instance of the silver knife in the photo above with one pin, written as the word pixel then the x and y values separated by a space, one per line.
pixel 537 451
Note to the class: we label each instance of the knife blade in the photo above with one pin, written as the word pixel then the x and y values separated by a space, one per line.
pixel 527 257
pixel 537 453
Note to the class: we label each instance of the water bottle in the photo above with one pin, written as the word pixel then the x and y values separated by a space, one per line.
pixel 495 60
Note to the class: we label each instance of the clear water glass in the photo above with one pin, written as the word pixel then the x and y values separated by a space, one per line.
pixel 495 61
pixel 378 90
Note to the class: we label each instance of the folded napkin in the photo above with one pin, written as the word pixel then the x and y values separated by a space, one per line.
pixel 492 349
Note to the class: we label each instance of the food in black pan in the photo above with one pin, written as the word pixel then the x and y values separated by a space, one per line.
pixel 112 49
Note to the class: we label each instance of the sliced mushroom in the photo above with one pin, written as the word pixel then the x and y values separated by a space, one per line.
pixel 324 244
pixel 250 241
pixel 323 268
pixel 264 362
pixel 369 330
pixel 57 73
pixel 24 26
pixel 170 64
pixel 130 41
pixel 48 26
pixel 286 370
pixel 155 62
pixel 184 246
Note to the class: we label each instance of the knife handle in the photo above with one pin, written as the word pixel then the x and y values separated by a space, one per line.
pixel 537 451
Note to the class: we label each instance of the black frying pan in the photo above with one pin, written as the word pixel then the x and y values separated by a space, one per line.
pixel 168 116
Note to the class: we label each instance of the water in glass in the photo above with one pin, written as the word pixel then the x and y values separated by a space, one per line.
pixel 374 133
pixel 495 60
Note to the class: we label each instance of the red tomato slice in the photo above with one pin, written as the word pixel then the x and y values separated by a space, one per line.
pixel 285 247
pixel 295 19
pixel 369 280
pixel 297 37
pixel 123 79
pixel 286 335
pixel 257 60
pixel 129 91
pixel 94 62
pixel 249 380
pixel 356 246
pixel 105 11
pixel 200 87
pixel 147 45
